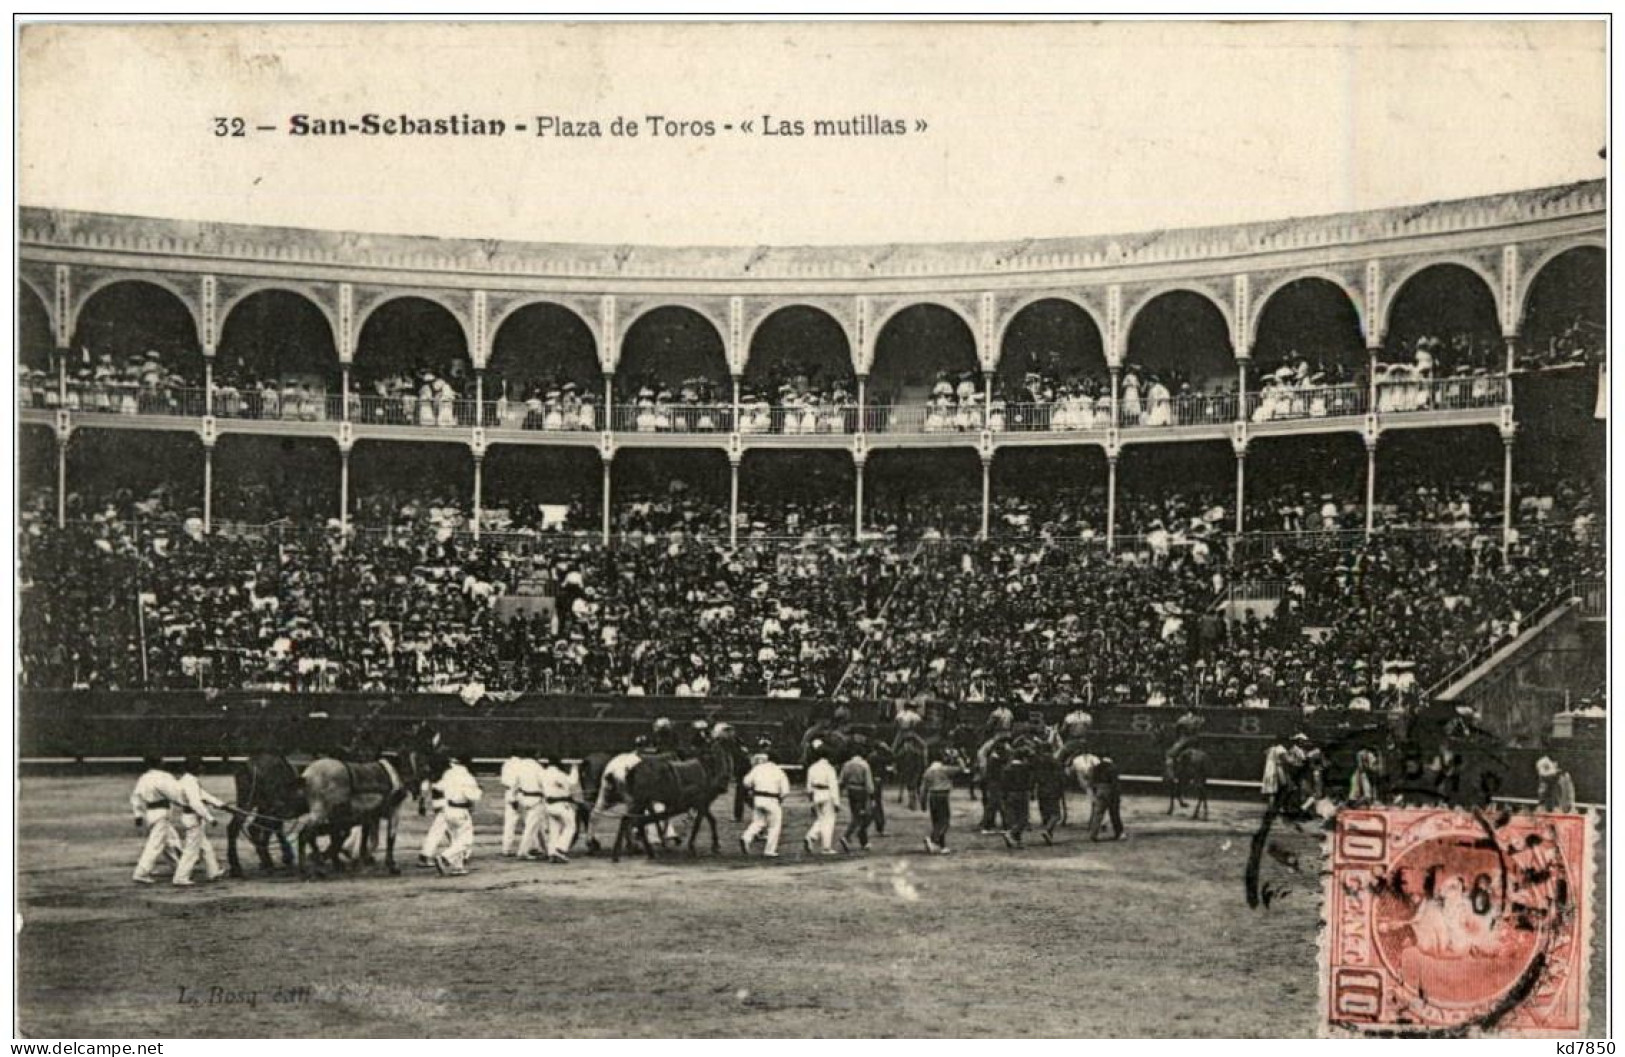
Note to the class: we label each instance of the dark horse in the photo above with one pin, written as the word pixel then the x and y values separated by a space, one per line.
pixel 966 739
pixel 1185 769
pixel 269 797
pixel 679 787
pixel 591 774
pixel 909 763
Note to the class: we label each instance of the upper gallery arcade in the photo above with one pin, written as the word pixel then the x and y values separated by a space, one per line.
pixel 1113 285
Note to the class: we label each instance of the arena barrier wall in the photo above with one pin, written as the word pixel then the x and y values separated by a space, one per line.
pixel 87 724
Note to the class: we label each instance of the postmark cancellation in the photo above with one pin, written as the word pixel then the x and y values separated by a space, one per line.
pixel 1449 923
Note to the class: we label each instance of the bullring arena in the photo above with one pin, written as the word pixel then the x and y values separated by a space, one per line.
pixel 1321 499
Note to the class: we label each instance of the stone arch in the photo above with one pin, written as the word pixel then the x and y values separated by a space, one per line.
pixel 1349 291
pixel 694 305
pixel 409 345
pixel 137 325
pixel 46 300
pixel 706 351
pixel 1213 363
pixel 827 326
pixel 1530 276
pixel 1480 308
pixel 1059 341
pixel 1156 292
pixel 568 348
pixel 1323 330
pixel 82 298
pixel 1563 311
pixel 1391 292
pixel 938 311
pixel 273 299
pixel 515 307
pixel 1030 300
pixel 878 325
pixel 371 308
pixel 239 294
pixel 32 311
pixel 761 318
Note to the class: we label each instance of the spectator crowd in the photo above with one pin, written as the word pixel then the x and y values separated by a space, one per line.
pixel 127 597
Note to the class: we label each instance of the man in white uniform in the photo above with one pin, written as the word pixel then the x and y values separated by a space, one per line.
pixel 559 792
pixel 436 837
pixel 150 801
pixel 767 786
pixel 821 783
pixel 529 794
pixel 195 818
pixel 462 796
pixel 512 809
pixel 611 804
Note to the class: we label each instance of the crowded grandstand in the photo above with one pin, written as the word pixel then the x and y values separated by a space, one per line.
pixel 1050 512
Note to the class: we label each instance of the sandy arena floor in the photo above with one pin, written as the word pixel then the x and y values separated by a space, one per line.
pixel 1149 936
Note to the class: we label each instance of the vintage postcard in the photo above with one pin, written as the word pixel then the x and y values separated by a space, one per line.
pixel 802 529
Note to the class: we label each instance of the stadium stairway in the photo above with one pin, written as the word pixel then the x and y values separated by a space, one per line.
pixel 1517 688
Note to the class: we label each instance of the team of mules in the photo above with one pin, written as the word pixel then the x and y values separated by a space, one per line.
pixel 348 804
pixel 659 788
pixel 343 801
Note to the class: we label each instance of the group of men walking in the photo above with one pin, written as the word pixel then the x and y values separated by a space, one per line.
pixel 767 786
pixel 1018 769
pixel 173 808
pixel 540 805
pixel 543 801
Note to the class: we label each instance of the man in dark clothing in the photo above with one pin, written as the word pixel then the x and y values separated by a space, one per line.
pixel 1048 779
pixel 994 756
pixel 858 783
pixel 1105 799
pixel 1016 785
pixel 936 784
pixel 739 759
pixel 880 764
pixel 664 737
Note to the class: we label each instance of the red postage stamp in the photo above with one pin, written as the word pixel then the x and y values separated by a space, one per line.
pixel 1442 922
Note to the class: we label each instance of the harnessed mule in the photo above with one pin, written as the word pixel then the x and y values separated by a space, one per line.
pixel 342 796
pixel 680 787
pixel 268 797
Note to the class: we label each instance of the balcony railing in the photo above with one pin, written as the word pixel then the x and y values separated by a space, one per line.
pixel 134 400
pixel 1442 394
pixel 43 396
pixel 1060 416
pixel 924 419
pixel 1191 409
pixel 674 418
pixel 273 405
pixel 1064 416
pixel 409 410
pixel 542 418
pixel 798 421
pixel 1291 404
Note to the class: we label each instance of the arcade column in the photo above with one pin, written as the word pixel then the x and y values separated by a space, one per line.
pixel 479 465
pixel 859 462
pixel 987 491
pixel 1508 435
pixel 1370 483
pixel 609 459
pixel 208 483
pixel 1241 487
pixel 1111 500
pixel 733 490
